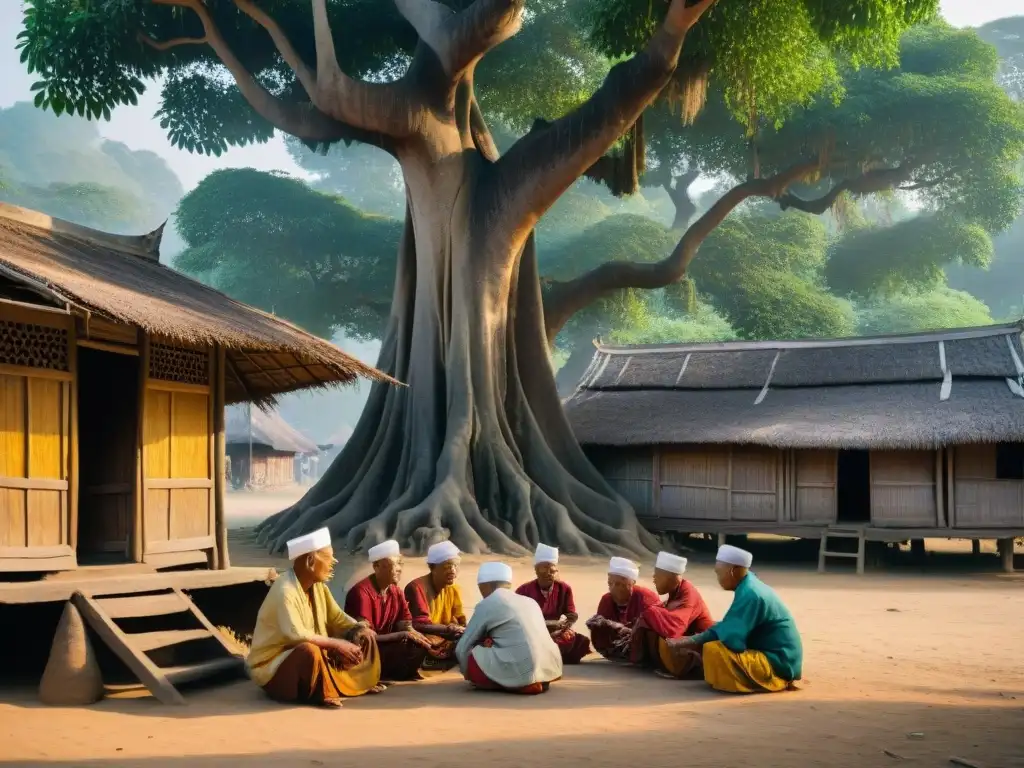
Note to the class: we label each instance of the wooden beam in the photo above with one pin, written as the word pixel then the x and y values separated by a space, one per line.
pixel 656 480
pixel 37 553
pixel 951 496
pixel 1005 547
pixel 177 483
pixel 174 559
pixel 37 565
pixel 201 618
pixel 73 461
pixel 211 455
pixel 138 535
pixel 940 496
pixel 35 314
pixel 179 386
pixel 105 346
pixel 34 483
pixel 139 606
pixel 220 448
pixel 140 665
pixel 34 373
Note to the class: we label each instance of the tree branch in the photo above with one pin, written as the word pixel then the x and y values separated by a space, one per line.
pixel 430 20
pixel 867 183
pixel 298 120
pixel 376 107
pixel 545 162
pixel 482 137
pixel 564 299
pixel 306 76
pixel 174 42
pixel 475 31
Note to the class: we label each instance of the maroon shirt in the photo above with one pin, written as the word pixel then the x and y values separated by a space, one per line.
pixel 364 602
pixel 641 598
pixel 556 604
pixel 684 613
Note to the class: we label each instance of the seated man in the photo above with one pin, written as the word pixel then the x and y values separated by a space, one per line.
pixel 507 646
pixel 378 601
pixel 755 648
pixel 683 613
pixel 611 628
pixel 556 603
pixel 435 603
pixel 304 648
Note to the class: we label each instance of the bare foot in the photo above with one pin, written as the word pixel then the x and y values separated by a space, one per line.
pixel 333 703
pixel 378 688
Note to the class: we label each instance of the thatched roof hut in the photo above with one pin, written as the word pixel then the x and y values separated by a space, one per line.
pixel 901 436
pixel 268 429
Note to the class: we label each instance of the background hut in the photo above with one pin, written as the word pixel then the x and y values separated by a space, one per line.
pixel 895 437
pixel 272 444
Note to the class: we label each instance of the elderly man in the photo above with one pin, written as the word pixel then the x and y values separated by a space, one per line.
pixel 378 601
pixel 611 628
pixel 755 648
pixel 305 649
pixel 683 613
pixel 507 646
pixel 435 603
pixel 556 604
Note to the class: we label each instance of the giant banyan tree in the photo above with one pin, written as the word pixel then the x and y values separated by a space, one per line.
pixel 475 445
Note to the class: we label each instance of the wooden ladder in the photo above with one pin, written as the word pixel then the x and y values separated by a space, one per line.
pixel 134 648
pixel 842 533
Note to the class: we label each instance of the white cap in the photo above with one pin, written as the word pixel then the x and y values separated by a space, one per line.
pixel 494 572
pixel 620 566
pixel 734 556
pixel 387 548
pixel 311 542
pixel 672 563
pixel 441 552
pixel 545 554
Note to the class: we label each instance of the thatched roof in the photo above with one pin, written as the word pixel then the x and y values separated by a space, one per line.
pixel 120 278
pixel 877 392
pixel 268 429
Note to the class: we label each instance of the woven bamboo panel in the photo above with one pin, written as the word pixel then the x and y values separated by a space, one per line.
pixel 33 346
pixel 187 366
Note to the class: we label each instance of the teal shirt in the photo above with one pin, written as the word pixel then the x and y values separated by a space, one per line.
pixel 758 620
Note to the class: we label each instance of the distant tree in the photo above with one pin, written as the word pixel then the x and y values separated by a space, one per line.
pixel 309 256
pixel 1007 35
pixel 939 308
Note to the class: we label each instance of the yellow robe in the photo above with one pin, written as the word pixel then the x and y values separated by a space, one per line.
pixel 287 619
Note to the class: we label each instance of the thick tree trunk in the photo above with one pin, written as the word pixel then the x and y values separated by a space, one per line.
pixel 477 447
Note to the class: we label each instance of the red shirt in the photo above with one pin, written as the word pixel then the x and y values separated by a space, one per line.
pixel 639 600
pixel 684 613
pixel 365 602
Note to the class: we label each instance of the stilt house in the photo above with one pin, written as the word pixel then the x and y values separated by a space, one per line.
pixel 899 437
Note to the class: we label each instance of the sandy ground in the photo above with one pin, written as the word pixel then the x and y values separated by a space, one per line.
pixel 900 667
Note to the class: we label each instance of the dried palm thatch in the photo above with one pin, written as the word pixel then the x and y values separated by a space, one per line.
pixel 120 278
pixel 268 428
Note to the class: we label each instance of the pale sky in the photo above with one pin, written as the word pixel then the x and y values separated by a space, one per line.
pixel 136 127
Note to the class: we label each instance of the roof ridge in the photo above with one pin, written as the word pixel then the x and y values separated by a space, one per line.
pixel 146 246
pixel 916 337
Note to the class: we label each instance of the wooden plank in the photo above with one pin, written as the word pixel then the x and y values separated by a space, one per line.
pixel 106 346
pixel 38 552
pixel 940 502
pixel 150 641
pixel 180 545
pixel 219 451
pixel 138 533
pixel 174 559
pixel 36 565
pixel 163 604
pixel 951 496
pixel 148 673
pixel 185 483
pixel 34 373
pixel 102 329
pixel 201 618
pixel 65 457
pixel 34 483
pixel 656 480
pixel 179 386
pixel 23 312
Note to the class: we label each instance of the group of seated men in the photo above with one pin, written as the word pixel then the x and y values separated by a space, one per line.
pixel 306 649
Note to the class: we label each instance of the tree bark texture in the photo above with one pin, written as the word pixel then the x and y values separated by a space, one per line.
pixel 475 447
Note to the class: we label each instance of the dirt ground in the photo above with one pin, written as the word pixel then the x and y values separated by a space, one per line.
pixel 901 666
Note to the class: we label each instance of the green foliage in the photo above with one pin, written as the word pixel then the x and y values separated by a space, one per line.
pixel 907 256
pixel 651 327
pixel 940 308
pixel 273 242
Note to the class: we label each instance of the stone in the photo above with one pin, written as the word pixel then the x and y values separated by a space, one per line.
pixel 72 676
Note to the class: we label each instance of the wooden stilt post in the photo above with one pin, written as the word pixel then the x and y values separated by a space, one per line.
pixel 1006 554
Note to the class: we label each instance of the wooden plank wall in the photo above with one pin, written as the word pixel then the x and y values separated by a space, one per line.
pixel 695 483
pixel 903 489
pixel 177 472
pixel 980 499
pixel 815 484
pixel 35 444
pixel 628 471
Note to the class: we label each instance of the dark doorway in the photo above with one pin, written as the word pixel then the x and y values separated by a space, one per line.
pixel 108 419
pixel 853 487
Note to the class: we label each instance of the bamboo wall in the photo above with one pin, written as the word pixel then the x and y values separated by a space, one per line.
pixel 980 499
pixel 903 493
pixel 36 402
pixel 270 469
